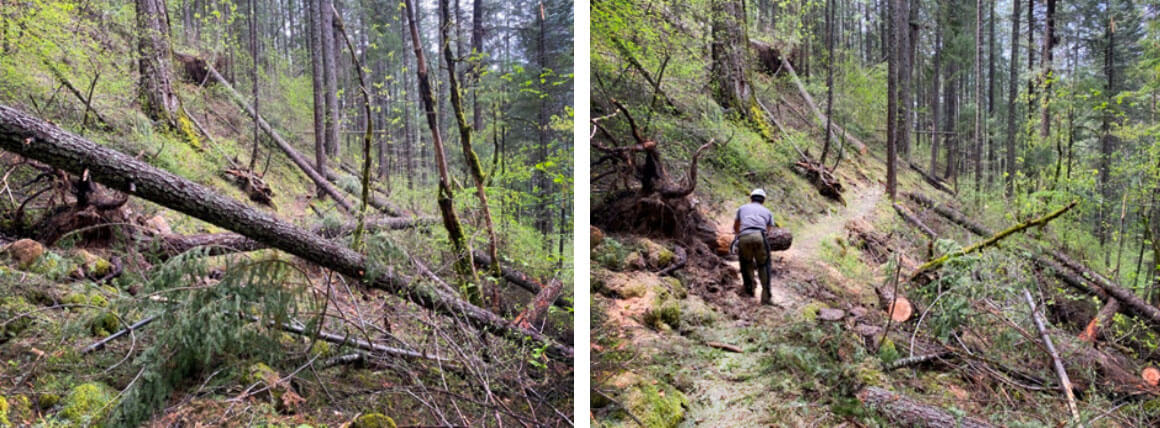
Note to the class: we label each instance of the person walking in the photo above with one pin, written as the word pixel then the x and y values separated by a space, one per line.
pixel 751 226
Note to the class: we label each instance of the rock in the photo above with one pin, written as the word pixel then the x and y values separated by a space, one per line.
pixel 857 312
pixel 95 266
pixel 658 255
pixel 867 330
pixel 828 314
pixel 595 236
pixel 657 404
pixel 634 261
pixel 373 420
pixel 25 252
pixel 158 225
pixel 87 403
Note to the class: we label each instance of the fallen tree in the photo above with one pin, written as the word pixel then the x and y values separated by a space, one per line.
pixel 37 139
pixel 518 278
pixel 286 148
pixel 818 112
pixel 992 240
pixel 226 243
pixel 1130 304
pixel 904 411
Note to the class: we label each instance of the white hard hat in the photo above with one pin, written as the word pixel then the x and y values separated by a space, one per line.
pixel 757 192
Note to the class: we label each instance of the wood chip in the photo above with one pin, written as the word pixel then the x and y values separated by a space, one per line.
pixel 725 347
pixel 1151 375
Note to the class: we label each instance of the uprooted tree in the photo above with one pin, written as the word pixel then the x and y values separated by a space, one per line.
pixel 648 201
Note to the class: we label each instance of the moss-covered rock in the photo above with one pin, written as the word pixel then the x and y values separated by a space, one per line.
pixel 373 420
pixel 48 400
pixel 51 266
pixel 94 266
pixel 25 252
pixel 694 311
pixel 322 349
pixel 260 373
pixel 809 312
pixel 654 402
pixel 104 324
pixel 677 288
pixel 87 403
pixel 665 313
pixel 10 308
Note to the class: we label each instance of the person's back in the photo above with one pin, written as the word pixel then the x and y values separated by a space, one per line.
pixel 751 224
pixel 754 217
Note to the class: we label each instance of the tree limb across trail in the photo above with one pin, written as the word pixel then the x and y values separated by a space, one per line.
pixel 37 139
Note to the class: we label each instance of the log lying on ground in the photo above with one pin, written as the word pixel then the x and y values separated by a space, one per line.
pixel 1102 318
pixel 534 312
pixel 1130 304
pixel 817 112
pixel 294 156
pixel 42 141
pixel 903 411
pixel 1064 380
pixel 914 221
pixel 228 243
pixel 935 182
pixel 518 278
pixel 820 177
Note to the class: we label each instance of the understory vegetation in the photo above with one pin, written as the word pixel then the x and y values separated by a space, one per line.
pixel 121 310
pixel 967 350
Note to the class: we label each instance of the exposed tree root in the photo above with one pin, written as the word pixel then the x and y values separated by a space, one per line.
pixel 252 184
pixel 820 177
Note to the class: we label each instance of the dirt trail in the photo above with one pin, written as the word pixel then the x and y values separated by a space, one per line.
pixel 729 388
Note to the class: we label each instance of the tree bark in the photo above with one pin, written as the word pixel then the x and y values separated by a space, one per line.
pixel 330 74
pixel 1046 75
pixel 473 165
pixel 730 51
pixel 444 198
pixel 318 83
pixel 155 88
pixel 1011 93
pixel 904 411
pixel 36 139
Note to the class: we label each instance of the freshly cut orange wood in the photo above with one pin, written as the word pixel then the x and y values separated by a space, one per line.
pixel 1151 375
pixel 901 310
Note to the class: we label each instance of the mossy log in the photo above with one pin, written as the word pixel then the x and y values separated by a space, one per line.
pixel 228 243
pixel 1130 303
pixel 935 182
pixel 37 139
pixel 518 278
pixel 904 411
pixel 933 265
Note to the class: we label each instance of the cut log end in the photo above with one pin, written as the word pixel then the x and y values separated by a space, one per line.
pixel 901 310
pixel 1151 375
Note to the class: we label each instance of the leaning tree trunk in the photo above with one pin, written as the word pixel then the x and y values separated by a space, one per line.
pixel 444 198
pixel 36 139
pixel 473 165
pixel 155 88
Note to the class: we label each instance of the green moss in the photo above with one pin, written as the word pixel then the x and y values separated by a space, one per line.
pixel 87 403
pixel 4 413
pixel 75 299
pixel 887 352
pixel 665 257
pixel 373 420
pixel 96 299
pixel 610 254
pixel 51 266
pixel 322 349
pixel 20 410
pixel 104 324
pixel 657 405
pixel 664 313
pixel 10 308
pixel 676 287
pixel 260 373
pixel 694 311
pixel 810 311
pixel 185 127
pixel 48 400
